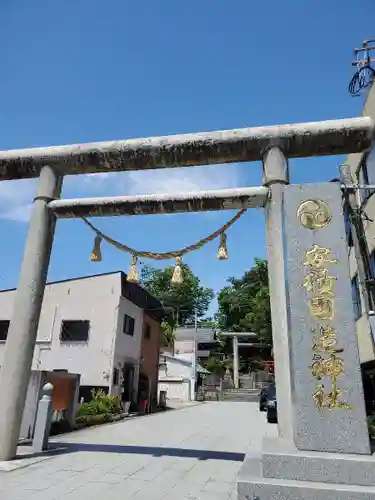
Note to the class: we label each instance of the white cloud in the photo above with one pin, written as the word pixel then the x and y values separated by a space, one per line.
pixel 16 196
pixel 16 199
pixel 96 178
pixel 186 179
pixel 18 214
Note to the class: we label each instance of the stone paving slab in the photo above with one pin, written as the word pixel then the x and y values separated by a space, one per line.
pixel 27 456
pixel 193 454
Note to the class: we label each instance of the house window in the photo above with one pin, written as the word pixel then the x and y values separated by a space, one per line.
pixel 128 327
pixel 356 298
pixel 147 331
pixel 74 330
pixel 4 327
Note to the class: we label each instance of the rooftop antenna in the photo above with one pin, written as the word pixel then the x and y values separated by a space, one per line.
pixel 365 74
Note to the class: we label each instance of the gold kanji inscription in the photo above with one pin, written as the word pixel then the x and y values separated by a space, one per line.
pixel 322 308
pixel 333 398
pixel 329 400
pixel 326 340
pixel 319 396
pixel 318 257
pixel 319 283
pixel 333 366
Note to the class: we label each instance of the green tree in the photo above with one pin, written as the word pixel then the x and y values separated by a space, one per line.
pixel 168 334
pixel 244 305
pixel 179 301
pixel 216 366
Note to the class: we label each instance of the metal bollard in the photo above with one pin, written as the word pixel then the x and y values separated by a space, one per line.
pixel 43 419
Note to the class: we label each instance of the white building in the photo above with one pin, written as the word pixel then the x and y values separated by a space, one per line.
pixel 91 326
pixel 363 171
pixel 200 341
pixel 362 166
pixel 178 375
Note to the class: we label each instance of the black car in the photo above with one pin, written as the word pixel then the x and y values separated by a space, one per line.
pixel 271 405
pixel 263 399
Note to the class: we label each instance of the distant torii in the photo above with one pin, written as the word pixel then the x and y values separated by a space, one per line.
pixel 236 344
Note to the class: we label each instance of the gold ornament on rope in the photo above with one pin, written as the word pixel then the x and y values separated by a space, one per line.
pixel 96 254
pixel 133 276
pixel 222 253
pixel 177 277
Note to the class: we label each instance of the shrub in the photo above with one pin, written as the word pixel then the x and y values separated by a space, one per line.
pixel 99 419
pixel 94 419
pixel 101 404
pixel 85 410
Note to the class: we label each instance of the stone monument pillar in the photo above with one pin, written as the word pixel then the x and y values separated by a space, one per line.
pixel 327 453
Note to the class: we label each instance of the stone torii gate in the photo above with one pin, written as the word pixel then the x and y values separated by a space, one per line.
pixel 235 336
pixel 317 430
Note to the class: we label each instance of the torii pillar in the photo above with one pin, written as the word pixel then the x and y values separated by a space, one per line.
pixel 235 335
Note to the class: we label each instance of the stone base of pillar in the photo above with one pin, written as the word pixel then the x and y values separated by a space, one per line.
pixel 282 472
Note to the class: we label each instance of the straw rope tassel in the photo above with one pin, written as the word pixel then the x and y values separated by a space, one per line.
pixel 222 253
pixel 133 276
pixel 177 277
pixel 96 254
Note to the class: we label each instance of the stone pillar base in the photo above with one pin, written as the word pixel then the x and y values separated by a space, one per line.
pixel 282 472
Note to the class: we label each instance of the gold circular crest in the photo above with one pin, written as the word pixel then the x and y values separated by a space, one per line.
pixel 314 214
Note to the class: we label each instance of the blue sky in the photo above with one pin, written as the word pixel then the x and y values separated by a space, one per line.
pixel 89 70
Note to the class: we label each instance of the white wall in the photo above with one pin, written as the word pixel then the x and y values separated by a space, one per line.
pixel 187 356
pixel 96 299
pixel 175 377
pixel 128 347
pixel 176 389
pixel 183 346
pixel 174 368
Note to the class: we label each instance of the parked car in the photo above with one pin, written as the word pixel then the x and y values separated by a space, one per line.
pixel 271 404
pixel 263 399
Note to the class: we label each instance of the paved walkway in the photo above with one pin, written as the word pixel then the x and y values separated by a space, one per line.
pixel 193 453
